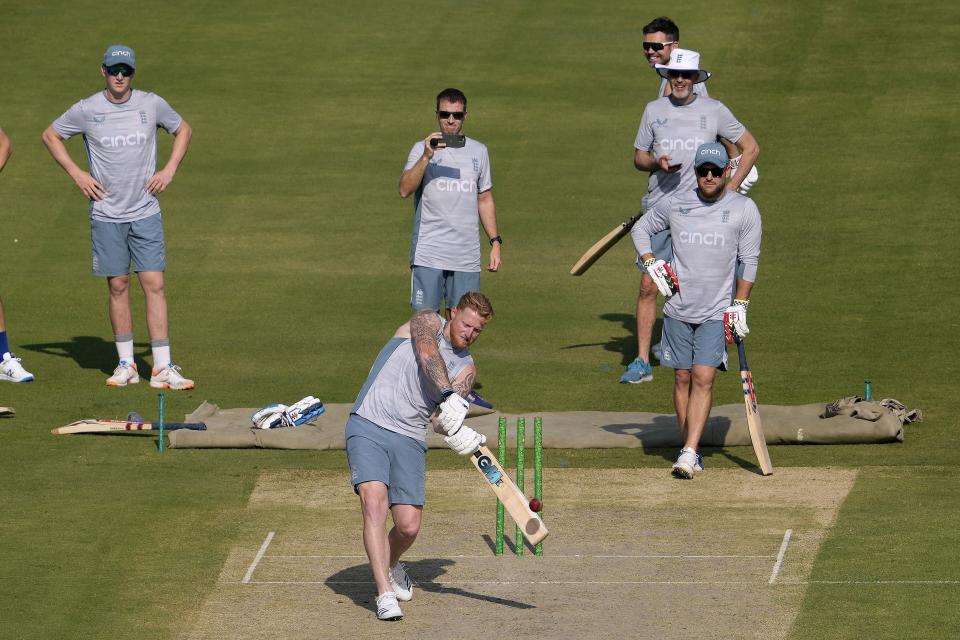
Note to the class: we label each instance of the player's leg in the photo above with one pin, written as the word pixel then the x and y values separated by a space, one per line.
pixel 374 509
pixel 678 353
pixel 640 370
pixel 407 494
pixel 709 354
pixel 10 368
pixel 111 260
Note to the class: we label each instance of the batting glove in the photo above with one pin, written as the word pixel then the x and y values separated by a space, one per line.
pixel 302 411
pixel 749 181
pixel 453 410
pixel 465 441
pixel 269 417
pixel 735 320
pixel 663 276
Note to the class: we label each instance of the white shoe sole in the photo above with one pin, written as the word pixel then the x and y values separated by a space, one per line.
pixel 164 385
pixel 682 471
pixel 123 384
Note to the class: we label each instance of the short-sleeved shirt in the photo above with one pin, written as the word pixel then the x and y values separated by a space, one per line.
pixel 708 240
pixel 446 226
pixel 668 129
pixel 397 395
pixel 121 146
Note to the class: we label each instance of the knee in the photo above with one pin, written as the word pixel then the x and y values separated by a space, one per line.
pixel 119 285
pixel 373 503
pixel 407 529
pixel 648 290
pixel 681 377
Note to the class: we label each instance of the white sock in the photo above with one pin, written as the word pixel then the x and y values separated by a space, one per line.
pixel 125 348
pixel 161 356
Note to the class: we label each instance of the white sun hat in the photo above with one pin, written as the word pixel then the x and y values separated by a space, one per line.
pixel 684 60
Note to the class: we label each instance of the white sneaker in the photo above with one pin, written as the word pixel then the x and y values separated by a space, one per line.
pixel 387 607
pixel 401 583
pixel 170 378
pixel 124 374
pixel 12 371
pixel 684 466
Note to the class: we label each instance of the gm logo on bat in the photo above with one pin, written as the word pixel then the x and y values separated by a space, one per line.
pixel 489 470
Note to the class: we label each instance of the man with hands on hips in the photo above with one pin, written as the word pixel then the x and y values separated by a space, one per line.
pixel 712 229
pixel 422 375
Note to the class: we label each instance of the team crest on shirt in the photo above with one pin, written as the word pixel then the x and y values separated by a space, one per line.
pixel 703 122
pixel 725 216
pixel 476 164
pixel 143 117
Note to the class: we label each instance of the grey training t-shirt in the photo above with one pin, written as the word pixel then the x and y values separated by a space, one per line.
pixel 446 226
pixel 121 145
pixel 667 129
pixel 396 395
pixel 708 239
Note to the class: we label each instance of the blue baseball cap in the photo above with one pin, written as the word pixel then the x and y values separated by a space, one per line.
pixel 711 153
pixel 119 54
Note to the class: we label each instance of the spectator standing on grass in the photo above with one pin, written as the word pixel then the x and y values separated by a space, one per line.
pixel 670 131
pixel 119 127
pixel 10 368
pixel 713 228
pixel 424 373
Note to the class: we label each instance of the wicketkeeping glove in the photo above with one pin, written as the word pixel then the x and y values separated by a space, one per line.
pixel 663 276
pixel 735 320
pixel 453 410
pixel 465 441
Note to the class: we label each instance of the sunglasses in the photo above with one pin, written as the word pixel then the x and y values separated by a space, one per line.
pixel 457 115
pixel 687 75
pixel 117 69
pixel 656 46
pixel 706 169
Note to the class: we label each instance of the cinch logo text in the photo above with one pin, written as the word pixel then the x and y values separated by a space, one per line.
pixel 457 186
pixel 690 144
pixel 131 140
pixel 710 239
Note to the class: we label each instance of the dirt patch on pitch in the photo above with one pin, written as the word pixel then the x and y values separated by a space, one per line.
pixel 632 553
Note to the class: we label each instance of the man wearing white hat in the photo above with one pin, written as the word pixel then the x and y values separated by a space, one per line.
pixel 671 130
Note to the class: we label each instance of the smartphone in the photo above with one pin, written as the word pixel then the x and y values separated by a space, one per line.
pixel 450 140
pixel 674 167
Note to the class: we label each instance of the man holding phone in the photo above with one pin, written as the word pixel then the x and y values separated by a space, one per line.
pixel 449 175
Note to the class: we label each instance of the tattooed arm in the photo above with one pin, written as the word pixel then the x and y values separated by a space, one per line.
pixel 424 327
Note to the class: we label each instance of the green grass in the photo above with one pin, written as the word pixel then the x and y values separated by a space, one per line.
pixel 287 250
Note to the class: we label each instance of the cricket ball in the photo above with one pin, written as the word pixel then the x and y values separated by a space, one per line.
pixel 535 505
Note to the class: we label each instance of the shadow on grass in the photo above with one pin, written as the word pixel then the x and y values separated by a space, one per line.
pixel 356 583
pixel 89 352
pixel 626 345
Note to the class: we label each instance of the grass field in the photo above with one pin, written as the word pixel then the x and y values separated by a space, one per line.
pixel 287 247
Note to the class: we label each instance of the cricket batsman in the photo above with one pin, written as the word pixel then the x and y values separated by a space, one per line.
pixel 422 375
pixel 712 228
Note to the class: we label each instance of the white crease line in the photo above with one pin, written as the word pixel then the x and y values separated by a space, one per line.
pixel 789 583
pixel 574 556
pixel 783 552
pixel 256 560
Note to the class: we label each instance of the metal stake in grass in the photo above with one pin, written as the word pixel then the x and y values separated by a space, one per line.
pixel 521 443
pixel 502 457
pixel 160 402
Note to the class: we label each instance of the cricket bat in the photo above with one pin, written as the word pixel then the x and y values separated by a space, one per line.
pixel 7 411
pixel 753 416
pixel 105 426
pixel 603 245
pixel 512 498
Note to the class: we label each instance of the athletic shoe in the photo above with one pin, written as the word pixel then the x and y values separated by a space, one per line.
pixel 683 467
pixel 699 466
pixel 124 374
pixel 475 398
pixel 12 371
pixel 657 352
pixel 401 583
pixel 170 378
pixel 387 607
pixel 637 371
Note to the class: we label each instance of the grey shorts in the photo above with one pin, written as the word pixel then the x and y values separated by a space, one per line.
pixel 428 286
pixel 116 243
pixel 398 461
pixel 684 344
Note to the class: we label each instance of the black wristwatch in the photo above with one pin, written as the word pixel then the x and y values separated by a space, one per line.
pixel 496 238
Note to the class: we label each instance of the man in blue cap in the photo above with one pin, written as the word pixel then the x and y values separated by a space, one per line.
pixel 119 127
pixel 712 229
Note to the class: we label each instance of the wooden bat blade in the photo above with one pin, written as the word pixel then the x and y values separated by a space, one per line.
pixel 595 252
pixel 106 426
pixel 513 499
pixel 754 424
pixel 7 411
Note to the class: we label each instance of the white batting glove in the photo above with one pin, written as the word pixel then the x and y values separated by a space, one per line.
pixel 663 276
pixel 735 320
pixel 465 441
pixel 749 181
pixel 453 410
pixel 269 417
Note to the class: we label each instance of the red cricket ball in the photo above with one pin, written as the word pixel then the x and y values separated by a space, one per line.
pixel 535 505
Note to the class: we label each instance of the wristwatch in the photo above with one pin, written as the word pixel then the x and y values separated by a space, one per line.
pixel 496 238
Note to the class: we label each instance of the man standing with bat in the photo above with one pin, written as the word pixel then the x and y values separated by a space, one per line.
pixel 713 228
pixel 422 375
pixel 671 129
